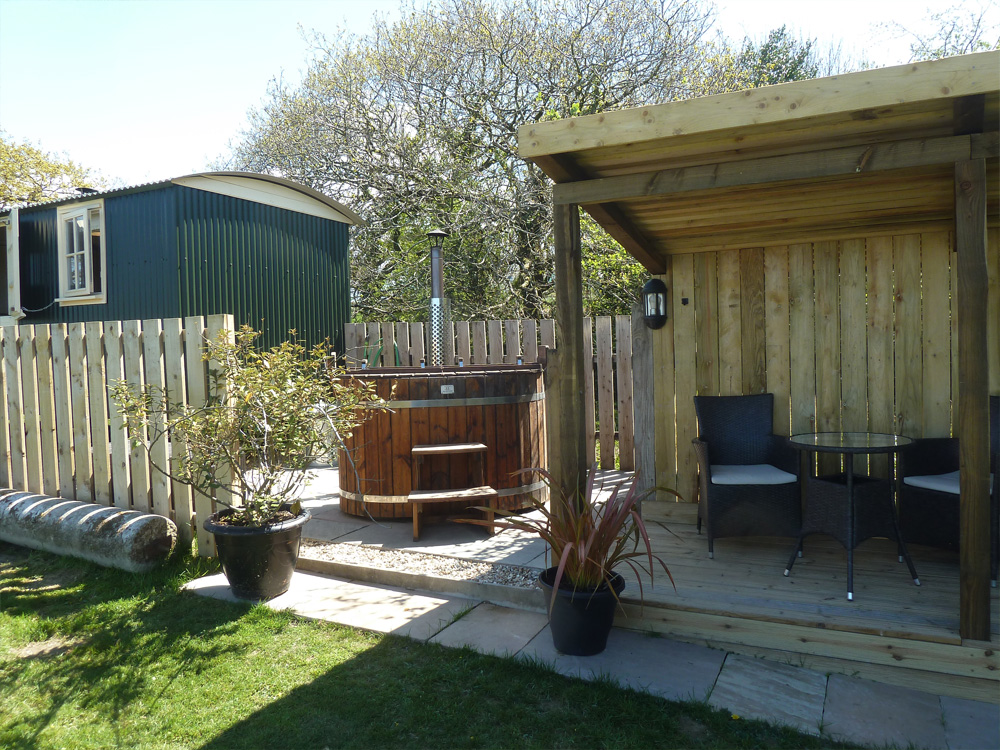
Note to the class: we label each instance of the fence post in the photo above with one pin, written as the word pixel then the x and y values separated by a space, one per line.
pixel 46 411
pixel 589 400
pixel 138 460
pixel 354 337
pixel 494 332
pixel 463 347
pixel 97 384
pixel 83 468
pixel 65 447
pixel 173 382
pixel 197 395
pixel 513 341
pixel 417 343
pixel 29 409
pixel 215 327
pixel 479 342
pixel 642 393
pixel 623 381
pixel 605 392
pixel 120 471
pixel 529 340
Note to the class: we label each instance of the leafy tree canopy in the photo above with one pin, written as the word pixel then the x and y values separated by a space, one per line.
pixel 959 30
pixel 777 59
pixel 415 127
pixel 30 175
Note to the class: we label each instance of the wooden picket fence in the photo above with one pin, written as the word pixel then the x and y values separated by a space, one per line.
pixel 607 344
pixel 63 436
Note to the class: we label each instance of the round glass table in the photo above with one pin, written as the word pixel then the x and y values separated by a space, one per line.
pixel 832 503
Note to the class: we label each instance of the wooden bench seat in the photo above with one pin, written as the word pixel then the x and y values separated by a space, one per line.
pixel 484 494
pixel 446 496
pixel 469 495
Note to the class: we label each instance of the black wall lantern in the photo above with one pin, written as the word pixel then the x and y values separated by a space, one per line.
pixel 654 303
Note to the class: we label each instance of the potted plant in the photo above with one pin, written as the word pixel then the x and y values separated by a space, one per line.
pixel 270 413
pixel 588 540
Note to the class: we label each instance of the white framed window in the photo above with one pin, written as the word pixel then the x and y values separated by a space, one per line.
pixel 11 312
pixel 81 240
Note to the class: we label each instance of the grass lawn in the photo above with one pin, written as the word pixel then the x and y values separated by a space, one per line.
pixel 91 657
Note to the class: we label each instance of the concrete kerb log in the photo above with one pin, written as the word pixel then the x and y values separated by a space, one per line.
pixel 112 537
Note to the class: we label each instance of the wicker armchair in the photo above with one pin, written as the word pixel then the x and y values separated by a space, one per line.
pixel 928 503
pixel 748 476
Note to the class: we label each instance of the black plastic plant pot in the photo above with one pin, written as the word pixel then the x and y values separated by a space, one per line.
pixel 580 620
pixel 258 561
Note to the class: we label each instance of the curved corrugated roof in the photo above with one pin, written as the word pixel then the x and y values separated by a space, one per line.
pixel 217 182
pixel 298 186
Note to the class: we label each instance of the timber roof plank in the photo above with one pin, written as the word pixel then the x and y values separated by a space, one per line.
pixel 774 165
pixel 824 98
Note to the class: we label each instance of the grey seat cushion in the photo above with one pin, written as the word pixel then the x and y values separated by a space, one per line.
pixel 939 482
pixel 750 474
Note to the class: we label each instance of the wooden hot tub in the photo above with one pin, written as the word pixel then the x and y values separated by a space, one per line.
pixel 500 406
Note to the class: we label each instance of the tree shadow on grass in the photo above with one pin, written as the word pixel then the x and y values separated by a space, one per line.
pixel 102 638
pixel 403 693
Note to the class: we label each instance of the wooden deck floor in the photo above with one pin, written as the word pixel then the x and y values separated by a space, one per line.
pixel 893 631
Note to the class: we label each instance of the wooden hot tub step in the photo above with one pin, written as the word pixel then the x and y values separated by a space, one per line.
pixel 468 494
pixel 448 449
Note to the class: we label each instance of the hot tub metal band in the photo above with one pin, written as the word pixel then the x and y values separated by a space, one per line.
pixel 437 403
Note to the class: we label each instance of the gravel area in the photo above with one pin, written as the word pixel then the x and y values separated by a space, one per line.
pixel 418 562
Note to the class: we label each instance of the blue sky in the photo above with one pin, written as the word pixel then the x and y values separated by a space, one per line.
pixel 143 90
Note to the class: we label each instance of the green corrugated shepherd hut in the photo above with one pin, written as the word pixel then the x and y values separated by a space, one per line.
pixel 271 252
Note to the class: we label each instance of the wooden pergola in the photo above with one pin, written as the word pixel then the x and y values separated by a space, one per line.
pixel 833 241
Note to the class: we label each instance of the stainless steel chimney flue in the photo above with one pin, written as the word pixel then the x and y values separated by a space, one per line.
pixel 439 306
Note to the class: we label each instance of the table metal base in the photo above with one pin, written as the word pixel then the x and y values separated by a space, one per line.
pixel 851 510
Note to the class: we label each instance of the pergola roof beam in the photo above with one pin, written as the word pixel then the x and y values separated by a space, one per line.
pixel 610 218
pixel 817 164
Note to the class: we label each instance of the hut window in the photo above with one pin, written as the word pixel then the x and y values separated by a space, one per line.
pixel 81 253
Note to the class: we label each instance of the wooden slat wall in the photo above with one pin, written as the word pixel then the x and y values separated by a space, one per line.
pixel 607 382
pixel 63 436
pixel 856 333
pixel 853 334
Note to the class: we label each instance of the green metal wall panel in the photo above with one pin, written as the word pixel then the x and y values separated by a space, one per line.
pixel 141 262
pixel 176 251
pixel 273 269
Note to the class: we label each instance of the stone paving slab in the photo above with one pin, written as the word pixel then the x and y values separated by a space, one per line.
pixel 378 608
pixel 769 690
pixel 970 725
pixel 490 629
pixel 327 508
pixel 332 529
pixel 874 713
pixel 670 669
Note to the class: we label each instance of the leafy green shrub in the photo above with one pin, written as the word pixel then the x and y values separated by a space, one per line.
pixel 269 414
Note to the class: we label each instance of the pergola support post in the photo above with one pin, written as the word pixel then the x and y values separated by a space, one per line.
pixel 564 369
pixel 973 403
